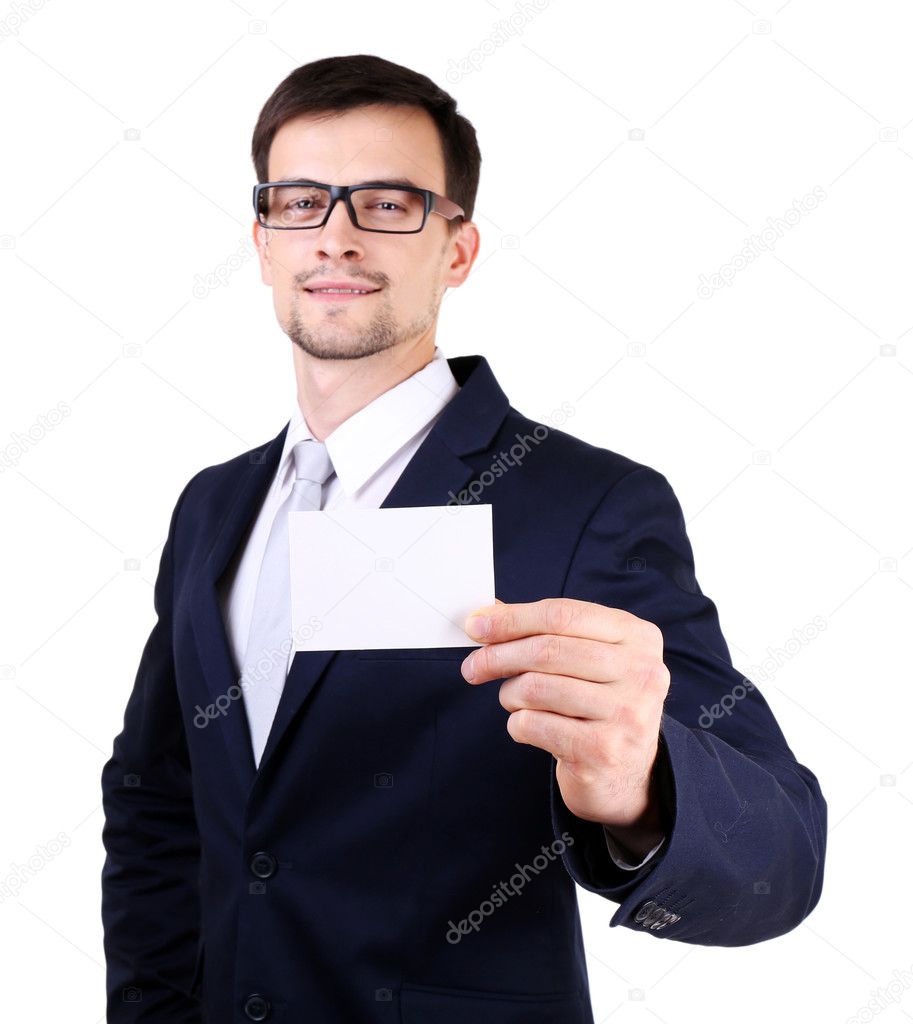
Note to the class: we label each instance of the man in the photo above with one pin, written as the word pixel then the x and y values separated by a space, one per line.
pixel 344 836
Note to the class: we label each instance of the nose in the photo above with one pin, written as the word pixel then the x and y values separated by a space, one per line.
pixel 338 236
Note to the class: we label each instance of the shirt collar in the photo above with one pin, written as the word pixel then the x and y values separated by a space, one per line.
pixel 361 445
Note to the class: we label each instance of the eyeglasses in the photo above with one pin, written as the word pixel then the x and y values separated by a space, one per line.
pixel 391 209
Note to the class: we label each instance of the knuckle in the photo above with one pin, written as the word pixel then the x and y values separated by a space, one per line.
pixel 548 651
pixel 631 718
pixel 505 624
pixel 559 615
pixel 661 678
pixel 652 675
pixel 655 636
pixel 532 688
pixel 642 671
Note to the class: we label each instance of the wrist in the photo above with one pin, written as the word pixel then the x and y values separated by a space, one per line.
pixel 642 834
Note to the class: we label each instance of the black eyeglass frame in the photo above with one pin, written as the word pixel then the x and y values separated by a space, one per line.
pixel 434 203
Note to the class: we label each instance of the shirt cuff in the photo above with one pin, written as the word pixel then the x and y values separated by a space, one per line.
pixel 619 858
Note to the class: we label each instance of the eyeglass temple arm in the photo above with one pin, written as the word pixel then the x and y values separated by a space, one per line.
pixel 446 207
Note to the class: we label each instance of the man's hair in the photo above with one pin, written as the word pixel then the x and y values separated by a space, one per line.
pixel 336 84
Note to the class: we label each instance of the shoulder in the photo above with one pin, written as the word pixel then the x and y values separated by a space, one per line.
pixel 561 459
pixel 216 485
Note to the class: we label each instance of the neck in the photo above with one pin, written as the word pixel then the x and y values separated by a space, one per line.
pixel 331 390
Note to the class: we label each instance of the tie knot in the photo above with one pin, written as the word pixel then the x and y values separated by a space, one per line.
pixel 312 461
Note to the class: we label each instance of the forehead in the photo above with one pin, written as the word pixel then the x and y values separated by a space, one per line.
pixel 368 143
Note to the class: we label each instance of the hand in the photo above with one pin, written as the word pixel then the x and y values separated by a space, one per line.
pixel 586 683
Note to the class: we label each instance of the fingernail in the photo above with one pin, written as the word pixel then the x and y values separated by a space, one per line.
pixel 467 669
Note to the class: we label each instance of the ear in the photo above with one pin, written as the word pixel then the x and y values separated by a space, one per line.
pixel 465 248
pixel 261 241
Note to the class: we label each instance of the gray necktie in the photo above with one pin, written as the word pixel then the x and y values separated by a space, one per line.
pixel 268 643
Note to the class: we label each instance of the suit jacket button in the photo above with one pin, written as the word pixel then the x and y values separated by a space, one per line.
pixel 263 864
pixel 256 1007
pixel 644 910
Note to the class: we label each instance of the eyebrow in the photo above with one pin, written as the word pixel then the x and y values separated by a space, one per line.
pixel 371 181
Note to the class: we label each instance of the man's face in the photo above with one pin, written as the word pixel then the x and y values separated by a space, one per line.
pixel 410 271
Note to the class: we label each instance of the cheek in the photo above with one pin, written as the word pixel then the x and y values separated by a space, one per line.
pixel 411 280
pixel 415 287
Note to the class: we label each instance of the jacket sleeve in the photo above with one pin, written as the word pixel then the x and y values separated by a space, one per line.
pixel 150 899
pixel 744 859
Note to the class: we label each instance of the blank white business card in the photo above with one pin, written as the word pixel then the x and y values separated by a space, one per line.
pixel 389 577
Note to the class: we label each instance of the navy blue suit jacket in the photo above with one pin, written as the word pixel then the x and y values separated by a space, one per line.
pixel 370 869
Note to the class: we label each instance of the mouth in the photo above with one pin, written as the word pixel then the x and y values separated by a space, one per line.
pixel 340 294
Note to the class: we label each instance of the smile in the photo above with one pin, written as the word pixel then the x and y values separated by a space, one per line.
pixel 341 291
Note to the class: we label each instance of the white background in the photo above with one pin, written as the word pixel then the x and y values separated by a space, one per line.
pixel 628 149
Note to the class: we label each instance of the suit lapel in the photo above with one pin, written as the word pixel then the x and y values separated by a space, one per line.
pixel 206 614
pixel 438 470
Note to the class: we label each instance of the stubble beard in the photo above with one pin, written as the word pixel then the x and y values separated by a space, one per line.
pixel 334 338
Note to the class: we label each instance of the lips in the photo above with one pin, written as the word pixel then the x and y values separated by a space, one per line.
pixel 340 289
pixel 337 298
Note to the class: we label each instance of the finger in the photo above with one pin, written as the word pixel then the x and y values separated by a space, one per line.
pixel 560 655
pixel 563 695
pixel 564 738
pixel 561 615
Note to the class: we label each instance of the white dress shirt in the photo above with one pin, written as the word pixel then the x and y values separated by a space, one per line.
pixel 369 451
